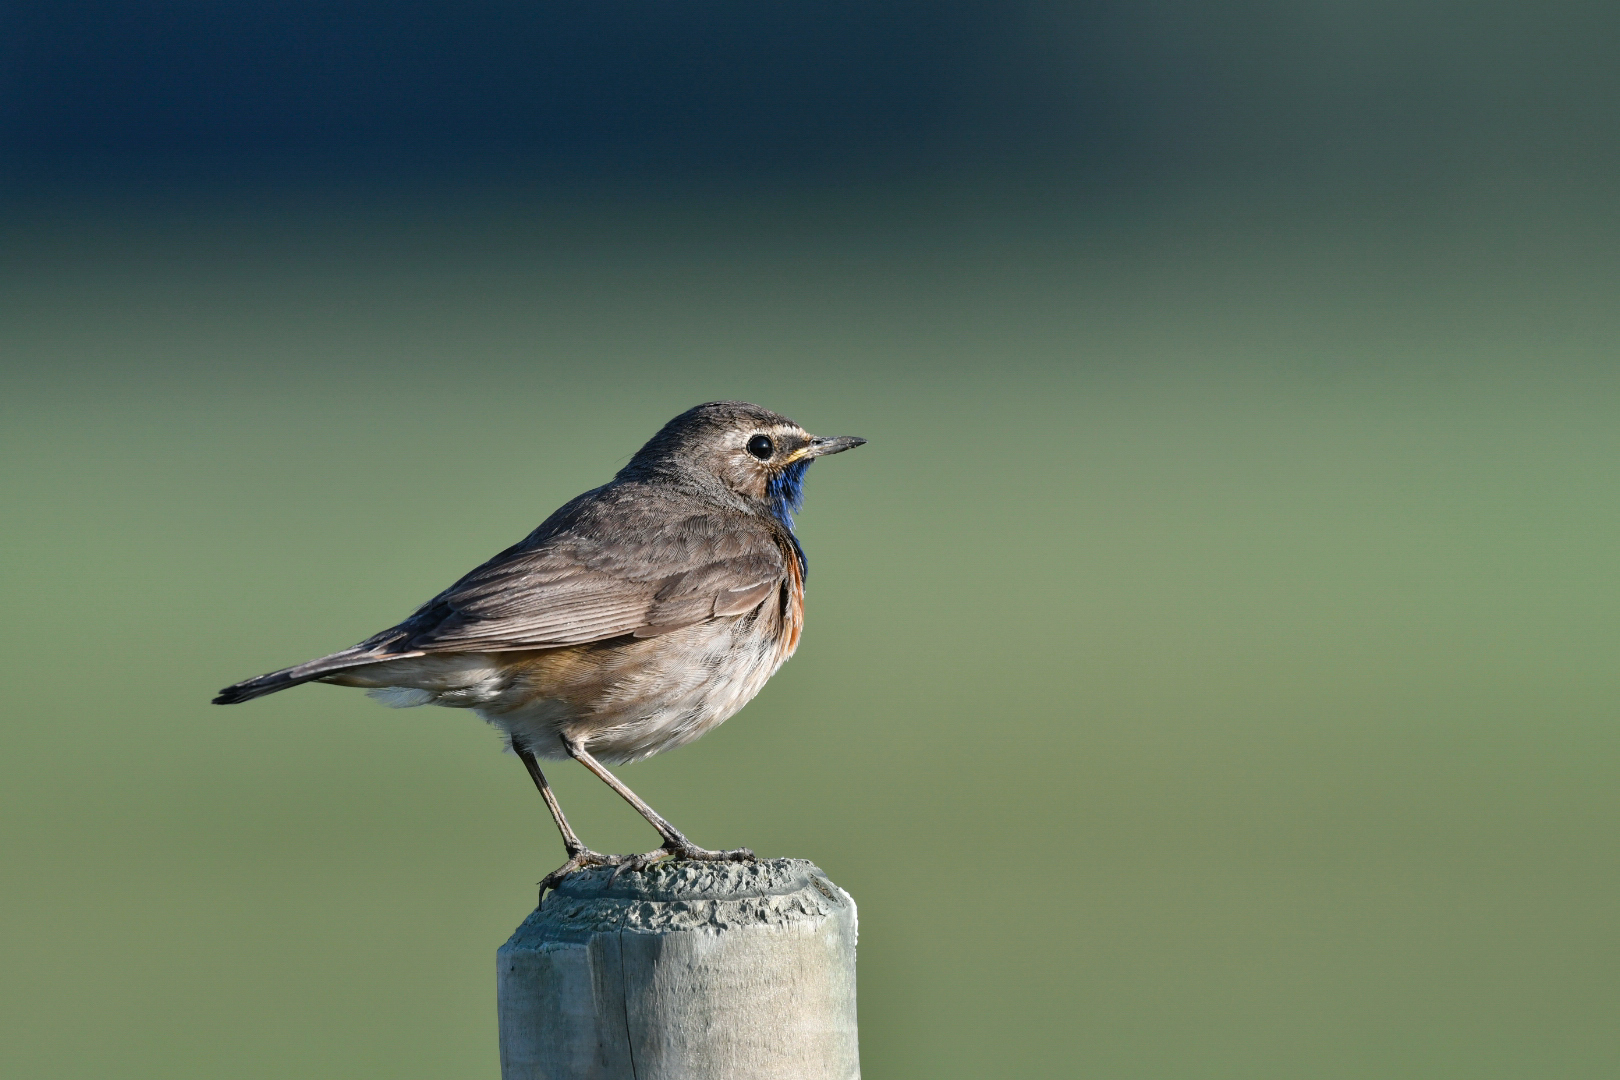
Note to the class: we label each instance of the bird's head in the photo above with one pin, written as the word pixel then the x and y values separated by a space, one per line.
pixel 737 451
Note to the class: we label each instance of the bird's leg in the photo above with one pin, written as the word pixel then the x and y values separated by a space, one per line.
pixel 570 840
pixel 676 845
pixel 579 856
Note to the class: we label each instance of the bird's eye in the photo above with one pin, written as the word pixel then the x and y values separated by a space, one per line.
pixel 761 447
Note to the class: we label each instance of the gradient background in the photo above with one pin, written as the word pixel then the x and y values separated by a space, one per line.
pixel 1210 662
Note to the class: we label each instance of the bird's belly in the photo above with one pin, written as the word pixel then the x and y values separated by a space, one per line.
pixel 627 699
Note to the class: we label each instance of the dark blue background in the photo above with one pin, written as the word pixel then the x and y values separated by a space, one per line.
pixel 1164 87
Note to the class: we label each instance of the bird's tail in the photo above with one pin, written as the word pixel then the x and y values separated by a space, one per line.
pixel 308 671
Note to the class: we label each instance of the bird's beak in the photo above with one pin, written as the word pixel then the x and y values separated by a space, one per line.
pixel 837 444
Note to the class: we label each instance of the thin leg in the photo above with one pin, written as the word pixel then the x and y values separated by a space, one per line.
pixel 570 841
pixel 579 856
pixel 669 832
pixel 676 845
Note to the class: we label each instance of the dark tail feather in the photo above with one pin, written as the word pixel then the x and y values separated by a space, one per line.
pixel 249 689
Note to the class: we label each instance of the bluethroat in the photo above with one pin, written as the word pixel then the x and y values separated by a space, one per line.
pixel 634 619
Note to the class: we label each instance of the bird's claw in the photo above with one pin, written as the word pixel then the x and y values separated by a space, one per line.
pixel 674 852
pixel 579 860
pixel 584 860
pixel 638 863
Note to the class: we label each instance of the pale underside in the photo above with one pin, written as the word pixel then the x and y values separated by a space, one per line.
pixel 623 699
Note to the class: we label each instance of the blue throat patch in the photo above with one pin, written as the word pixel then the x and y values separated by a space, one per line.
pixel 785 492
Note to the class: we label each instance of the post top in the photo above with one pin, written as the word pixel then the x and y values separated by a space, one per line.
pixel 682 896
pixel 671 881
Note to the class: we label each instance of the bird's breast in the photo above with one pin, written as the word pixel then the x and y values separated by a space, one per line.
pixel 629 698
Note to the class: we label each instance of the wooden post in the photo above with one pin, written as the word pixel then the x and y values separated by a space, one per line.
pixel 729 971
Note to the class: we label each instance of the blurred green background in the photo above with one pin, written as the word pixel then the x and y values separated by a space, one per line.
pixel 1209 667
pixel 1210 661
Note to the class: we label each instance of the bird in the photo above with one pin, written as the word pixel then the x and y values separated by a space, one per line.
pixel 637 617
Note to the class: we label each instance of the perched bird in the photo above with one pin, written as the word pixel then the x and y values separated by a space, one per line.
pixel 633 620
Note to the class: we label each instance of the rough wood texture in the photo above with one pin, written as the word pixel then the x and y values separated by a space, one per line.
pixel 698 971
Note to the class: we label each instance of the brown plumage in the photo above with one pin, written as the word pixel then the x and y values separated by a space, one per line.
pixel 634 619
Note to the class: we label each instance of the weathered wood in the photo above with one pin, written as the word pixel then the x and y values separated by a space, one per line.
pixel 698 971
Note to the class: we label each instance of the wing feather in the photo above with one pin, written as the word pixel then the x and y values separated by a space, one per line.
pixel 604 566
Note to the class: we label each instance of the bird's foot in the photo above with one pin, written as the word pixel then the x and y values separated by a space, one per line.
pixel 679 852
pixel 583 859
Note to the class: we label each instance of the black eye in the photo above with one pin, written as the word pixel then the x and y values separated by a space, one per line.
pixel 761 447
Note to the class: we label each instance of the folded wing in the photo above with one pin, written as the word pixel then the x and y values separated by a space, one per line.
pixel 572 588
pixel 607 565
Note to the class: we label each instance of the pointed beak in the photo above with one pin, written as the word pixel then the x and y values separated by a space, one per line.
pixel 835 445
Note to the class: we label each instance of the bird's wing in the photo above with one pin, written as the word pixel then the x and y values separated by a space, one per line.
pixel 591 582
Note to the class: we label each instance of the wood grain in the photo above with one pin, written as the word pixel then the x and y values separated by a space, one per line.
pixel 742 971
